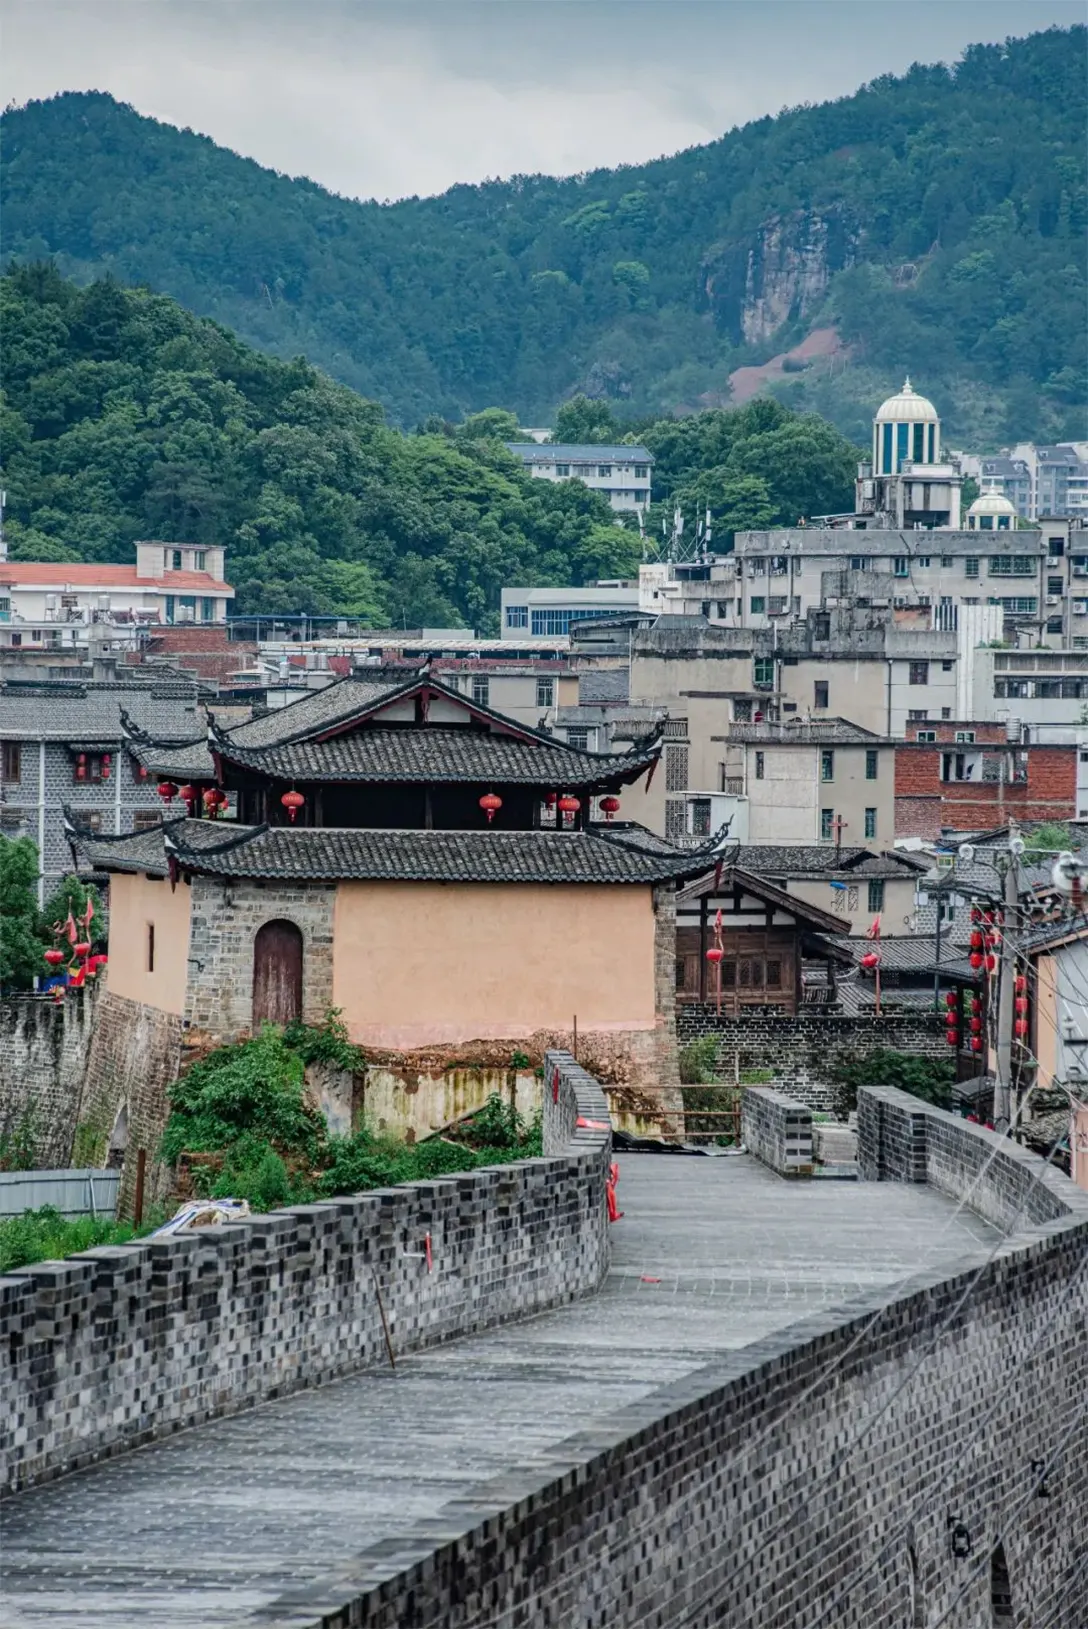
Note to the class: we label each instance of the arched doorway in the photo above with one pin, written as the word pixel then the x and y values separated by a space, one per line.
pixel 1000 1588
pixel 277 974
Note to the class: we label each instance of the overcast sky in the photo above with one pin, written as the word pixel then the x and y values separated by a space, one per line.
pixel 384 98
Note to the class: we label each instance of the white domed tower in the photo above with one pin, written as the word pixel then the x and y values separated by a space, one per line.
pixel 907 486
pixel 992 512
pixel 906 430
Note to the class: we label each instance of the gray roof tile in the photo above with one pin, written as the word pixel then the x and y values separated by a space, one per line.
pixel 79 713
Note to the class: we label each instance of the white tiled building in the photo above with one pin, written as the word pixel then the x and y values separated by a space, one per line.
pixel 621 474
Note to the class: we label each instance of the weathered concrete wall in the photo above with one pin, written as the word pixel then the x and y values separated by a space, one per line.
pixel 800 1050
pixel 135 1052
pixel 810 1478
pixel 123 1345
pixel 777 1130
pixel 43 1057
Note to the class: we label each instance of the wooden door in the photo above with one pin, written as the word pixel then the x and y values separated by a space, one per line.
pixel 277 974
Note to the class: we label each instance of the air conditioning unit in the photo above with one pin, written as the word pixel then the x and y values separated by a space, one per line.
pixel 1053 599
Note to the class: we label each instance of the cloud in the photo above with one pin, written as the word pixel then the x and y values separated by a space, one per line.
pixel 382 100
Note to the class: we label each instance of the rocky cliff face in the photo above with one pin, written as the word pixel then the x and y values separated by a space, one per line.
pixel 779 274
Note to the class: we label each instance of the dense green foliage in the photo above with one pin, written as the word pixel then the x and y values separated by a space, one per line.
pixel 20 946
pixel 126 417
pixel 941 214
pixel 44 1235
pixel 931 1079
pixel 247 1105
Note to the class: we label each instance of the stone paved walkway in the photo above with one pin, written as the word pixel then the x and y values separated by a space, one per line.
pixel 199 1532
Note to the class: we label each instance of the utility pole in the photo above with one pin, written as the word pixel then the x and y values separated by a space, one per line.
pixel 1003 1086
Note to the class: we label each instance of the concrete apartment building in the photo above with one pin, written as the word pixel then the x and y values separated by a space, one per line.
pixel 170 583
pixel 619 473
pixel 1041 482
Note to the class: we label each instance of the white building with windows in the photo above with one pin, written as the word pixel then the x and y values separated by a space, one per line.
pixel 549 612
pixel 42 603
pixel 908 484
pixel 620 474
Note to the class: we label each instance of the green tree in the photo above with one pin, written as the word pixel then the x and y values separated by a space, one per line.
pixel 583 420
pixel 20 946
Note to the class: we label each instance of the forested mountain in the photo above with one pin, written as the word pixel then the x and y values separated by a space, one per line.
pixel 931 223
pixel 124 417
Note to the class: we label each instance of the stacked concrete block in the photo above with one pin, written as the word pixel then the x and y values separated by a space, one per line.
pixel 777 1130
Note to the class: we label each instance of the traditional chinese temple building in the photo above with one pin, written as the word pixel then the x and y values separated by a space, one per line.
pixel 447 878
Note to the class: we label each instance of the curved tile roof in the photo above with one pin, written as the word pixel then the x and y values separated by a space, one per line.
pixel 438 753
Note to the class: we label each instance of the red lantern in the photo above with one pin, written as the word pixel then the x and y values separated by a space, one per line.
pixel 610 806
pixel 54 957
pixel 951 1019
pixel 976 1026
pixel 714 954
pixel 950 999
pixel 1020 1003
pixel 952 1036
pixel 976 1004
pixel 83 948
pixel 167 791
pixel 991 964
pixel 975 959
pixel 214 800
pixel 1020 1028
pixel 81 767
pixel 568 805
pixel 1020 984
pixel 549 800
pixel 976 914
pixel 103 959
pixel 187 794
pixel 870 959
pixel 976 941
pixel 976 1043
pixel 142 772
pixel 292 801
pixel 106 762
pixel 987 916
pixel 490 804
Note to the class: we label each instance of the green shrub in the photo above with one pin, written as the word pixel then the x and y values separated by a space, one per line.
pixel 931 1079
pixel 699 1060
pixel 44 1235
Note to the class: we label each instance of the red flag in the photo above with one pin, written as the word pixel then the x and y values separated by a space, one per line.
pixel 86 918
pixel 874 931
pixel 70 929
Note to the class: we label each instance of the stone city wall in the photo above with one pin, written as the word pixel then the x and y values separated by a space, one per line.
pixel 801 1049
pixel 777 1130
pixel 122 1345
pixel 859 1469
pixel 43 1058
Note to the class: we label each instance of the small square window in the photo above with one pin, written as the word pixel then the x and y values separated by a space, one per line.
pixel 578 738
pixel 144 819
pixel 763 670
pixel 876 894
pixel 820 691
pixel 901 566
pixel 946 667
pixel 545 692
pixel 919 673
pixel 481 691
pixel 970 565
pixel 926 735
pixel 517 616
pixel 700 817
pixel 946 712
pixel 758 604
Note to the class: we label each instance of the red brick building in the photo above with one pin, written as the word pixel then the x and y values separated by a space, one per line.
pixel 970 777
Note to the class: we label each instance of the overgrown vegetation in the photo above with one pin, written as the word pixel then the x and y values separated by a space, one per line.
pixel 126 417
pixel 247 1106
pixel 931 1079
pixel 938 216
pixel 1047 841
pixel 45 1235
